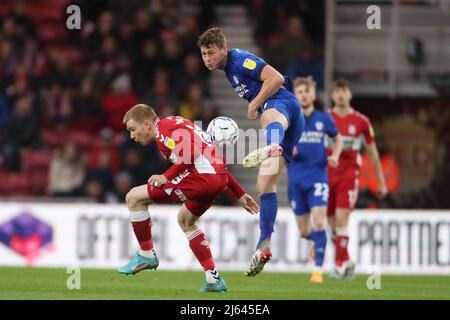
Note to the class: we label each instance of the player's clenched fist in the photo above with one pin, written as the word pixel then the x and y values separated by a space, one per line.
pixel 333 161
pixel 157 180
pixel 249 204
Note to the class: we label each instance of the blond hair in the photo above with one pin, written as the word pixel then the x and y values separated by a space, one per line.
pixel 212 36
pixel 307 82
pixel 139 113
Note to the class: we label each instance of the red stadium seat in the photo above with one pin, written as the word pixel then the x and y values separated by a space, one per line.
pixel 35 160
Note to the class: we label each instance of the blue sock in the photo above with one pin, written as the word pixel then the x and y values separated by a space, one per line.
pixel 267 215
pixel 274 133
pixel 320 242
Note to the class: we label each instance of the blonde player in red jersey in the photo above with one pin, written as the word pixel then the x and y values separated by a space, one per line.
pixel 355 129
pixel 198 175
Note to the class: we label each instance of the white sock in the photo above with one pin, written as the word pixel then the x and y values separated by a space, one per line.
pixel 317 269
pixel 149 254
pixel 212 276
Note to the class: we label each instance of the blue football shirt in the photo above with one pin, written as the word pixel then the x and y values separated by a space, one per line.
pixel 310 163
pixel 243 70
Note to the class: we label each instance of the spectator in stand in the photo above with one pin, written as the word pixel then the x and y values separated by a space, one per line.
pixel 105 147
pixel 192 72
pixel 105 27
pixel 284 46
pixel 58 105
pixel 134 165
pixel 145 29
pixel 87 102
pixel 122 185
pixel 146 65
pixel 307 63
pixel 19 13
pixel 192 106
pixel 67 172
pixel 117 101
pixel 21 131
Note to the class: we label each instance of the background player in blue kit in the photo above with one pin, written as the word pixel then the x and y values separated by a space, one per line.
pixel 270 95
pixel 307 173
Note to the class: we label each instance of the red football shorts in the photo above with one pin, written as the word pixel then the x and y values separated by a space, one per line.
pixel 197 191
pixel 343 193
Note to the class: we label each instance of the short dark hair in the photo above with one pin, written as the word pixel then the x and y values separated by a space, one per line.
pixel 341 84
pixel 212 36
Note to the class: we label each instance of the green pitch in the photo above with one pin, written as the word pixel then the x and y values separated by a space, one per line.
pixel 29 283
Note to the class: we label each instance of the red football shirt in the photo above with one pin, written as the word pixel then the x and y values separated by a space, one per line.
pixel 187 147
pixel 354 129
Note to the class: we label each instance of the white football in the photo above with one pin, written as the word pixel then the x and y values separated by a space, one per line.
pixel 223 131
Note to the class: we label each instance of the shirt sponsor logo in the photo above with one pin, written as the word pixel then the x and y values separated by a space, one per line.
pixel 351 129
pixel 169 143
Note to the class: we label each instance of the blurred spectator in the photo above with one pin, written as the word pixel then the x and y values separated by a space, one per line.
pixel 67 172
pixel 146 66
pixel 117 101
pixel 19 13
pixel 134 164
pixel 192 72
pixel 21 131
pixel 283 47
pixel 93 189
pixel 122 185
pixel 105 152
pixel 105 27
pixel 192 106
pixel 8 58
pixel 58 105
pixel 307 63
pixel 87 102
pixel 145 29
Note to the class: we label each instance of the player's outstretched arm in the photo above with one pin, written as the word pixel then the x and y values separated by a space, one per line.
pixel 246 201
pixel 249 204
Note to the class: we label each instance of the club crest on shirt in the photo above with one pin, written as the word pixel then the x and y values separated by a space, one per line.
pixel 351 129
pixel 249 64
pixel 319 125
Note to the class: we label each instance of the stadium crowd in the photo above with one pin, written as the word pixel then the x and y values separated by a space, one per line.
pixel 63 93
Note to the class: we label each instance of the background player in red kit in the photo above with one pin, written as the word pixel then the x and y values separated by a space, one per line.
pixel 355 128
pixel 198 175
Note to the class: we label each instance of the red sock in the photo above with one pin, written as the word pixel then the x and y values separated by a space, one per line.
pixel 341 244
pixel 200 247
pixel 143 232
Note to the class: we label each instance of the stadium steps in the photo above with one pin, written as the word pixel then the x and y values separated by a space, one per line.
pixel 239 31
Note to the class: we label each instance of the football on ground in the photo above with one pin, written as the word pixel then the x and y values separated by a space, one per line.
pixel 223 131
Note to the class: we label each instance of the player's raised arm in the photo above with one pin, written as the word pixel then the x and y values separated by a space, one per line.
pixel 246 201
pixel 272 82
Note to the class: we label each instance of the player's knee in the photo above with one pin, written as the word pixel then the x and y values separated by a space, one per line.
pixel 265 186
pixel 319 224
pixel 304 232
pixel 131 200
pixel 184 223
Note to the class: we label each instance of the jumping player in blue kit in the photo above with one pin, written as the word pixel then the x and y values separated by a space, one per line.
pixel 307 173
pixel 270 96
